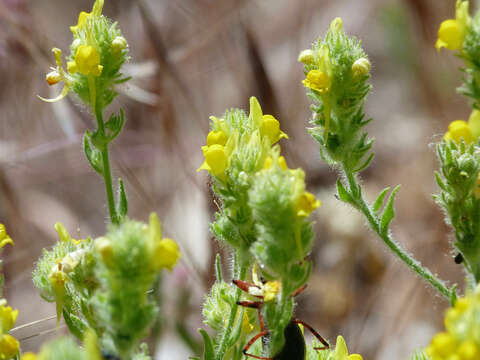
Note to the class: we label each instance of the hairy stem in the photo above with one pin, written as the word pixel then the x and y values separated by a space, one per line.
pixel 107 175
pixel 239 272
pixel 387 238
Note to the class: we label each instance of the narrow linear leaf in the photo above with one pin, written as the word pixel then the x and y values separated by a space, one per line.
pixel 379 202
pixel 235 334
pixel 122 207
pixel 365 164
pixel 218 268
pixel 208 353
pixel 440 181
pixel 343 194
pixel 388 212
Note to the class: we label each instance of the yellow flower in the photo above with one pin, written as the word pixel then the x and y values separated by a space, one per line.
pixel 215 159
pixel 87 61
pixel 4 238
pixel 457 130
pixel 341 351
pixel 166 254
pixel 268 290
pixel 8 316
pixel 318 80
pixel 216 137
pixel 56 75
pixel 270 127
pixel 451 33
pixel 28 356
pixel 9 347
pixel 269 162
pixel 84 16
pixel 306 203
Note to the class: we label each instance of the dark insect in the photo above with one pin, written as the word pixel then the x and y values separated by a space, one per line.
pixel 109 356
pixel 294 347
pixel 458 259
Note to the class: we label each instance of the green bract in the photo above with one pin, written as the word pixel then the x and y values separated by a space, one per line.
pixel 459 197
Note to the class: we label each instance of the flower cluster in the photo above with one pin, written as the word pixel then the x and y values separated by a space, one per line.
pixel 83 278
pixel 461 339
pixel 336 73
pixel 97 52
pixel 264 217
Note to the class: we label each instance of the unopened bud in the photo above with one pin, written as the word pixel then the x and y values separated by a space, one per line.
pixel 119 43
pixel 307 57
pixel 361 67
pixel 103 246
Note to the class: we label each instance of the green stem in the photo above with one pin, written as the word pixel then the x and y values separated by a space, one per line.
pixel 374 223
pixel 107 175
pixel 239 272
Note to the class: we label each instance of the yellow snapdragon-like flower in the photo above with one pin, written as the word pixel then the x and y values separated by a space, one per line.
pixel 457 130
pixel 451 33
pixel 9 347
pixel 165 251
pixel 318 80
pixel 8 316
pixel 216 137
pixel 307 203
pixel 87 61
pixel 4 238
pixel 216 159
pixel 270 128
pixel 268 290
pixel 341 351
pixel 83 17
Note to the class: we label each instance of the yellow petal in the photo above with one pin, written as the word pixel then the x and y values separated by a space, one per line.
pixel 166 254
pixel 216 159
pixel 458 130
pixel 28 356
pixel 216 137
pixel 450 35
pixel 307 203
pixel 9 347
pixel 318 80
pixel 355 357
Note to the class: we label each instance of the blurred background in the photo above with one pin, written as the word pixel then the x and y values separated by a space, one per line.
pixel 194 58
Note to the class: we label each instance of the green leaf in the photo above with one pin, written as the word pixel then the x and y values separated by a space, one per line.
pixel 440 181
pixel 208 353
pixel 343 194
pixel 237 330
pixel 94 156
pixel 388 212
pixel 122 206
pixel 453 294
pixel 218 268
pixel 379 202
pixel 365 164
pixel 76 325
pixel 114 125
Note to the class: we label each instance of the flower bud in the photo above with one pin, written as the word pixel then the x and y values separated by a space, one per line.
pixel 119 44
pixel 103 246
pixel 307 57
pixel 361 67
